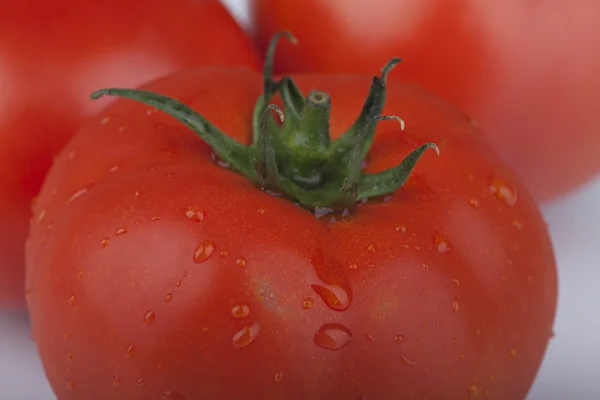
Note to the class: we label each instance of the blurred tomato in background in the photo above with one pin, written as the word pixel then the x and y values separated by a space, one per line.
pixel 527 71
pixel 53 54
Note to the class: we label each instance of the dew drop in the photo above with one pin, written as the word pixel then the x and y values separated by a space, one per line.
pixel 262 210
pixel 407 361
pixel 335 297
pixel 401 228
pixel 41 216
pixel 474 390
pixel 168 297
pixel 80 274
pixel 72 300
pixel 76 195
pixel 426 267
pixel 518 224
pixel 195 214
pixel 353 266
pixel 332 336
pixel 455 305
pixel 105 120
pixel 155 218
pixel 512 353
pixel 441 243
pixel 474 203
pixel 456 282
pixel 151 111
pixel 141 382
pixel 308 303
pixel 278 376
pixel 461 356
pixel 371 248
pixel 178 284
pixel 70 384
pixel 504 192
pixel 399 339
pixel 241 262
pixel 114 168
pixel 104 242
pixel 121 231
pixel 203 251
pixel 149 317
pixel 171 395
pixel 70 356
pixel 116 381
pixel 223 253
pixel 129 351
pixel 246 335
pixel 240 311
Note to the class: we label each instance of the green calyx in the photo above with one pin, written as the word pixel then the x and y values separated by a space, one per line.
pixel 296 158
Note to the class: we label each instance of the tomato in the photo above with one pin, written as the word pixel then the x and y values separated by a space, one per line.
pixel 184 263
pixel 53 54
pixel 533 88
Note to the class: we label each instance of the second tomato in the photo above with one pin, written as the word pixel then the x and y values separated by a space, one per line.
pixel 53 54
pixel 524 70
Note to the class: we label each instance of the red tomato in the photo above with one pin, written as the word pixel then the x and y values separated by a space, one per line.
pixel 523 69
pixel 53 54
pixel 168 271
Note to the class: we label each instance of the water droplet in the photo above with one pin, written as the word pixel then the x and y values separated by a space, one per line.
pixel 137 193
pixel 159 367
pixel 426 267
pixel 512 352
pixel 178 284
pixel 149 317
pixel 105 120
pixel 70 384
pixel 474 390
pixel 67 335
pixel 371 248
pixel 246 336
pixel 141 382
pixel 407 361
pixel 114 168
pixel 168 297
pixel 441 243
pixel 353 266
pixel 455 305
pixel 518 224
pixel 399 339
pixel 401 228
pixel 70 356
pixel 151 111
pixel 474 203
pixel 332 336
pixel 121 231
pixel 72 300
pixel 80 274
pixel 223 253
pixel 171 395
pixel 308 303
pixel 195 214
pixel 477 332
pixel 336 297
pixel 76 195
pixel 461 356
pixel 452 371
pixel 240 311
pixel 262 210
pixel 504 192
pixel 155 218
pixel 241 262
pixel 116 381
pixel 278 376
pixel 41 216
pixel 104 242
pixel 129 351
pixel 203 251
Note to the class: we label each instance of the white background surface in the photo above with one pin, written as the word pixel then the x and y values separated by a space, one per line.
pixel 571 369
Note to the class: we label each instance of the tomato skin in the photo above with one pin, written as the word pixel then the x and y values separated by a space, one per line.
pixel 448 289
pixel 534 89
pixel 53 54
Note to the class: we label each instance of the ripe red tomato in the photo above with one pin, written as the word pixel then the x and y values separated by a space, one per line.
pixel 169 272
pixel 53 54
pixel 522 69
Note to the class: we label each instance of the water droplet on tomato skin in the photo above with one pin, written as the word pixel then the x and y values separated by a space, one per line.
pixel 308 303
pixel 170 395
pixel 335 297
pixel 474 390
pixel 104 242
pixel 141 382
pixel 149 317
pixel 116 381
pixel 504 192
pixel 474 203
pixel 203 251
pixel 246 335
pixel 278 376
pixel 121 231
pixel 512 353
pixel 241 262
pixel 332 336
pixel 72 300
pixel 399 339
pixel 129 351
pixel 195 214
pixel 70 384
pixel 455 305
pixel 440 243
pixel 168 297
pixel 240 311
pixel 77 195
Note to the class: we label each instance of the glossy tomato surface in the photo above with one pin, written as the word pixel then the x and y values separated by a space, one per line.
pixel 524 70
pixel 53 54
pixel 167 274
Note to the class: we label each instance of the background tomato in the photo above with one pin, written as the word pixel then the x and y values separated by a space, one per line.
pixel 53 54
pixel 524 70
pixel 166 274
